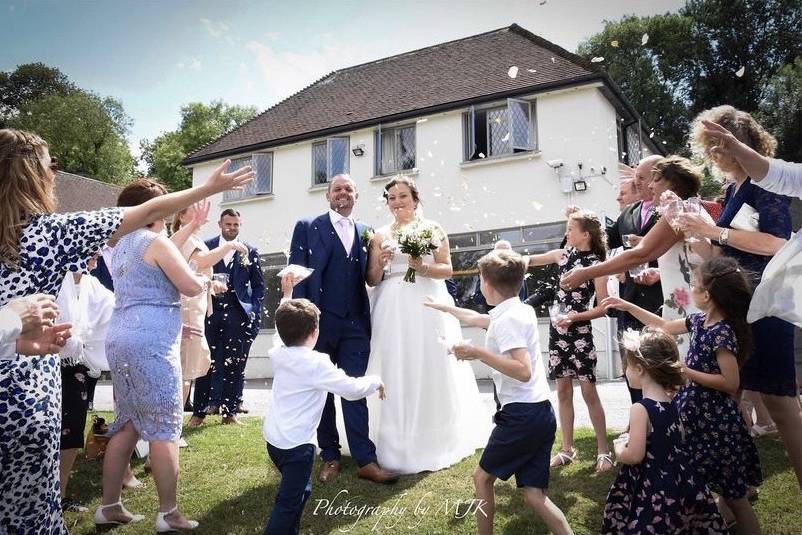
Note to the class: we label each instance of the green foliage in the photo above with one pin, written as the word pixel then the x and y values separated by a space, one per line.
pixel 200 124
pixel 85 132
pixel 30 82
pixel 691 59
pixel 781 110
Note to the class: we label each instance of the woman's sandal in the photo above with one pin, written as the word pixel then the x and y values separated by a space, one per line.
pixel 564 458
pixel 604 458
pixel 102 520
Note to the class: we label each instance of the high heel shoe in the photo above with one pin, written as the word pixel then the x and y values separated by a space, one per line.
pixel 101 520
pixel 162 526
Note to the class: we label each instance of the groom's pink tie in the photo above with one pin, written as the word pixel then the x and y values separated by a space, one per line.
pixel 345 234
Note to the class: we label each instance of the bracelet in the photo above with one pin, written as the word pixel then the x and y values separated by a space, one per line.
pixel 724 236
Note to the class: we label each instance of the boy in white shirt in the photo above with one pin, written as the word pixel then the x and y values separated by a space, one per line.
pixel 302 379
pixel 521 442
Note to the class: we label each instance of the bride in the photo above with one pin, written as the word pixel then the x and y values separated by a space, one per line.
pixel 433 415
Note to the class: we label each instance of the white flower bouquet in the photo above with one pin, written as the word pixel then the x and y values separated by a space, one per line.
pixel 417 240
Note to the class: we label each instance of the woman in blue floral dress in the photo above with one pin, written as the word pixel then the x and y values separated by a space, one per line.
pixel 572 354
pixel 657 489
pixel 716 438
pixel 37 248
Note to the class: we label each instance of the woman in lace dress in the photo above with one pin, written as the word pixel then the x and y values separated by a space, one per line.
pixel 433 416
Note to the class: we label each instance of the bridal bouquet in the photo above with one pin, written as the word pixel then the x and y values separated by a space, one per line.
pixel 418 239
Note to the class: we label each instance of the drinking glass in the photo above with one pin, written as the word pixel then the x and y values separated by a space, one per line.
pixel 557 312
pixel 221 277
pixel 634 271
pixel 693 205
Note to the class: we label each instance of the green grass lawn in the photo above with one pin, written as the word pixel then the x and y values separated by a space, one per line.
pixel 228 484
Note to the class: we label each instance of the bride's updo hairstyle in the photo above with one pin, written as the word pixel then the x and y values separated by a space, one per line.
pixel 408 182
pixel 683 177
pixel 504 270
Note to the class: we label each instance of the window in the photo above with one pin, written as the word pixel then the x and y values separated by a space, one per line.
pixel 499 131
pixel 329 158
pixel 262 184
pixel 271 264
pixel 395 149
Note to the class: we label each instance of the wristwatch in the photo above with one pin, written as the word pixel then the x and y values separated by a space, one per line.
pixel 724 236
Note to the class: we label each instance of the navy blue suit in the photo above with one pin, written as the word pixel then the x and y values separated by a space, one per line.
pixel 337 287
pixel 230 331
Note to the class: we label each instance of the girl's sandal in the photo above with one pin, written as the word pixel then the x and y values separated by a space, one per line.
pixel 564 458
pixel 601 460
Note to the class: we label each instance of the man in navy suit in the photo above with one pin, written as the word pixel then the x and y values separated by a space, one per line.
pixel 334 245
pixel 231 329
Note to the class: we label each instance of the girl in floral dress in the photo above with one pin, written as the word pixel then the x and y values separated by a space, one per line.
pixel 717 439
pixel 572 354
pixel 657 489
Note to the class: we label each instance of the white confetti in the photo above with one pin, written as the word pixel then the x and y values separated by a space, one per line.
pixel 422 120
pixel 740 72
pixel 651 135
pixel 506 137
pixel 513 72
pixel 614 44
pixel 597 59
pixel 531 70
pixel 481 154
pixel 536 205
pixel 552 60
pixel 644 39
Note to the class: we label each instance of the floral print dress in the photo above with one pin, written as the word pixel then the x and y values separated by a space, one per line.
pixel 718 441
pixel 571 351
pixel 663 494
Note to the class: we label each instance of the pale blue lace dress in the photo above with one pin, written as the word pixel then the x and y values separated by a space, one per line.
pixel 143 343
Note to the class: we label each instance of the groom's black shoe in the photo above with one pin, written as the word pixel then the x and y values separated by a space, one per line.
pixel 373 472
pixel 329 472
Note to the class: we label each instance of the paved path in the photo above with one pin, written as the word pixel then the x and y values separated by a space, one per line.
pixel 613 394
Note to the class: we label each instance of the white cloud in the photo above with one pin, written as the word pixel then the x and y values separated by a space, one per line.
pixel 284 73
pixel 215 29
pixel 195 64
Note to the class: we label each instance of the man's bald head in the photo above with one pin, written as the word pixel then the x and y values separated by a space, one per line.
pixel 643 176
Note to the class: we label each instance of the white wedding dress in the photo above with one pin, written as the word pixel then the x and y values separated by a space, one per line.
pixel 433 416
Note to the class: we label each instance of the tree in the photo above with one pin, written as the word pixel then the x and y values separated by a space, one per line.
pixel 200 124
pixel 85 132
pixel 781 110
pixel 30 82
pixel 711 52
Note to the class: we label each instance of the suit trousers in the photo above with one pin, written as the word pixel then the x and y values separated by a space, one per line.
pixel 347 342
pixel 295 466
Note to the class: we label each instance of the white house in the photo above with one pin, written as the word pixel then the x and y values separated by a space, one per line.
pixel 500 131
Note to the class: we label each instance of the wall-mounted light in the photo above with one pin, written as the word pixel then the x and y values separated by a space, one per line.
pixel 359 150
pixel 580 185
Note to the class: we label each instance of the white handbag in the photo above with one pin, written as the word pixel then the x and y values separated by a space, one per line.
pixel 747 218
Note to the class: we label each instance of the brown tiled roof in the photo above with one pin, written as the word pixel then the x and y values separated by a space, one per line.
pixel 439 77
pixel 76 193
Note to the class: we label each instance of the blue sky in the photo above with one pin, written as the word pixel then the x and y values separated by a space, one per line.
pixel 155 56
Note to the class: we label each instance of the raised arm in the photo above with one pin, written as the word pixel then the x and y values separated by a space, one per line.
pixel 465 315
pixel 135 217
pixel 164 254
pixel 518 366
pixel 674 327
pixel 543 259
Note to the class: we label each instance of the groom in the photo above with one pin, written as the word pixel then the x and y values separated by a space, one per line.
pixel 333 245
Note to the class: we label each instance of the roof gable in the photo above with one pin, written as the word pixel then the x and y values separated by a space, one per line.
pixel 447 74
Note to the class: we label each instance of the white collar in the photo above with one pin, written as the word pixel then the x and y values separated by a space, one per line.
pixel 502 307
pixel 222 239
pixel 337 217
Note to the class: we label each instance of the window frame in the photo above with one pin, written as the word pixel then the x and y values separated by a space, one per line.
pixel 329 142
pixel 249 192
pixel 469 146
pixel 378 168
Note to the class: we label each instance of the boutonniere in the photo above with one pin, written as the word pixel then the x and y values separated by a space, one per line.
pixel 244 260
pixel 367 235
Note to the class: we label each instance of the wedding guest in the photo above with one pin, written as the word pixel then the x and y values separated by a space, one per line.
pixel 25 327
pixel 37 248
pixel 85 303
pixel 233 325
pixel 657 490
pixel 302 378
pixel 337 286
pixel 479 299
pixel 142 347
pixel 753 240
pixel 627 193
pixel 716 437
pixel 195 352
pixel 521 441
pixel 572 354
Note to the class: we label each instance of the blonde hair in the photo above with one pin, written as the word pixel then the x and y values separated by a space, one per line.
pixel 25 188
pixel 684 177
pixel 504 270
pixel 741 124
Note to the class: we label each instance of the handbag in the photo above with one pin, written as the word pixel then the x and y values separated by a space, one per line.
pixel 747 218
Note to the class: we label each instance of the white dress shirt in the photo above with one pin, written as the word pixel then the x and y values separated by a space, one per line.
pixel 10 328
pixel 302 378
pixel 230 254
pixel 513 325
pixel 345 229
pixel 784 178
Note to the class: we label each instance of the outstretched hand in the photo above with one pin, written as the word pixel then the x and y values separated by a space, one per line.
pixel 220 180
pixel 725 141
pixel 573 278
pixel 199 212
pixel 44 341
pixel 431 303
pixel 464 351
pixel 614 302
pixel 35 311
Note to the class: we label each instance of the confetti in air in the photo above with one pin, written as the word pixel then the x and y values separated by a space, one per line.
pixel 614 44
pixel 644 39
pixel 481 154
pixel 597 59
pixel 513 72
pixel 531 70
pixel 740 72
pixel 506 137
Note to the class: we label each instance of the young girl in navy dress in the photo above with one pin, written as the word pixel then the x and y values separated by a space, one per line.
pixel 657 489
pixel 572 354
pixel 716 437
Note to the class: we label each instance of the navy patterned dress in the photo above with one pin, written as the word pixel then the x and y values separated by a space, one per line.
pixel 30 387
pixel 663 494
pixel 571 352
pixel 143 344
pixel 770 368
pixel 718 441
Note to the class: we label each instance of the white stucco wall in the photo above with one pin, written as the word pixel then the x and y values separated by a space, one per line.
pixel 575 126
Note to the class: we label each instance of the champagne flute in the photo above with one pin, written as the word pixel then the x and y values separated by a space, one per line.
pixel 692 205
